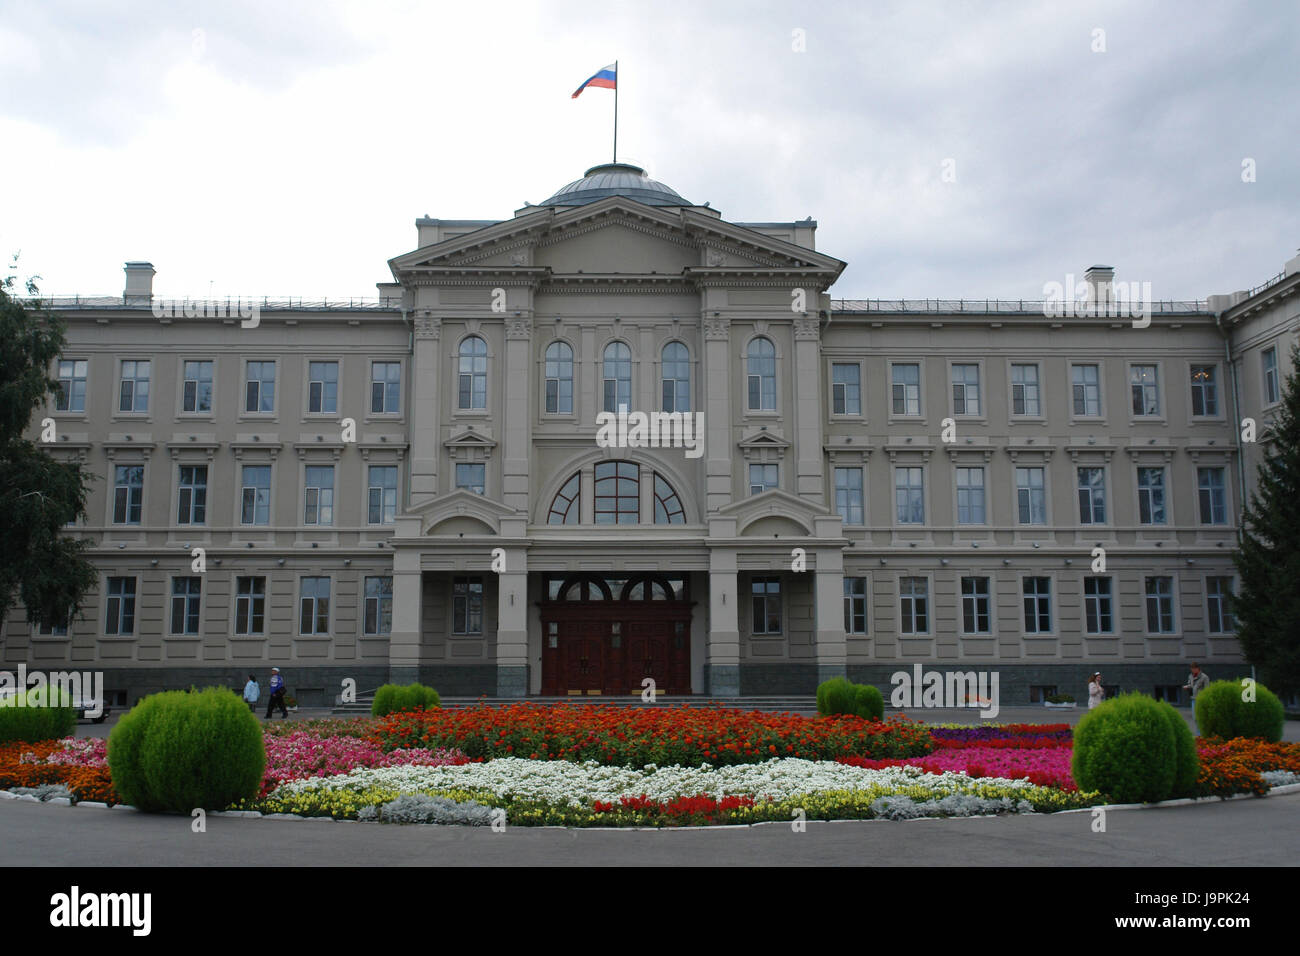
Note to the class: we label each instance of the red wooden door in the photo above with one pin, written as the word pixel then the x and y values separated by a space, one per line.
pixel 648 655
pixel 581 656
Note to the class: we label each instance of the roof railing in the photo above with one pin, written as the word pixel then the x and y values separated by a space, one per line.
pixel 228 303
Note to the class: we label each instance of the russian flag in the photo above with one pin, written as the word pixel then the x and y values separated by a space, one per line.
pixel 605 78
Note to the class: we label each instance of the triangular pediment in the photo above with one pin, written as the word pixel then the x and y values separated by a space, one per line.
pixel 685 237
pixel 775 503
pixel 460 504
pixel 470 439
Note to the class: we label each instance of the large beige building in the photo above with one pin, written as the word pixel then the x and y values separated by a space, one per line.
pixel 412 487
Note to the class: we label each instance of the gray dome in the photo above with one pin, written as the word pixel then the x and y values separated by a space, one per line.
pixel 616 179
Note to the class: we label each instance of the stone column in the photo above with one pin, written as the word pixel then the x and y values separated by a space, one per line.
pixel 512 625
pixel 716 391
pixel 832 647
pixel 518 412
pixel 722 654
pixel 810 480
pixel 404 642
pixel 425 381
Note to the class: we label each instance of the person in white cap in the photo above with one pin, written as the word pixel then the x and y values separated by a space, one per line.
pixel 276 698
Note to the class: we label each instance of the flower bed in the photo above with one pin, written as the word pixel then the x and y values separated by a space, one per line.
pixel 306 753
pixel 565 792
pixel 1044 766
pixel 662 736
pixel 79 765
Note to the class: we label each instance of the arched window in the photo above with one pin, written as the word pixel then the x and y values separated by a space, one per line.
pixel 565 508
pixel 473 373
pixel 618 492
pixel 677 378
pixel 668 507
pixel 762 375
pixel 648 587
pixel 618 376
pixel 559 378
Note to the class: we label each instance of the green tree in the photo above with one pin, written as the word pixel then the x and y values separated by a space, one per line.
pixel 39 565
pixel 1267 606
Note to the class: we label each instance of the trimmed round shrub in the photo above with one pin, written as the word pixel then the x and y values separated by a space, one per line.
pixel 1187 764
pixel 839 696
pixel 182 750
pixel 1221 712
pixel 392 698
pixel 47 715
pixel 1126 748
pixel 870 702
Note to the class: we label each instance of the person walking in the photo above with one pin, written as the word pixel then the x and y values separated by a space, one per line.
pixel 276 699
pixel 1197 681
pixel 1095 691
pixel 251 693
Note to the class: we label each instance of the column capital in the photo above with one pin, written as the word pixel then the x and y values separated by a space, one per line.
pixel 807 327
pixel 519 327
pixel 717 328
pixel 427 325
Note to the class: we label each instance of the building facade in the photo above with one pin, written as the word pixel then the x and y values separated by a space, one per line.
pixel 415 487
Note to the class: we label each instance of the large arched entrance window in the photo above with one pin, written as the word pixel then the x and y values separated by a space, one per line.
pixel 618 492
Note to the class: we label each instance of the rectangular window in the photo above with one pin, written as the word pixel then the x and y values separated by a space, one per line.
pixel 323 388
pixel 379 606
pixel 1205 390
pixel 467 606
pixel 185 605
pixel 914 606
pixel 1218 609
pixel 1037 594
pixel 906 388
pixel 766 605
pixel 846 389
pixel 472 477
pixel 381 494
pixel 1272 385
pixel 314 606
pixel 318 497
pixel 57 630
pixel 848 495
pixel 259 387
pixel 250 605
pixel 192 503
pixel 1092 495
pixel 1097 607
pixel 762 478
pixel 970 496
pixel 1031 495
pixel 855 605
pixel 196 387
pixel 1151 496
pixel 909 495
pixel 1085 381
pixel 133 391
pixel 975 614
pixel 1145 388
pixel 1213 496
pixel 119 611
pixel 255 498
pixel 1160 605
pixel 966 389
pixel 385 388
pixel 1024 390
pixel 72 386
pixel 128 493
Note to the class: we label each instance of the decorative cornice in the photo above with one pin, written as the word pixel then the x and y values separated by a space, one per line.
pixel 116 449
pixel 1163 453
pixel 893 450
pixel 334 449
pixel 269 448
pixel 1210 451
pixel 179 449
pixel 1043 452
pixel 369 448
pixel 955 451
pixel 1078 451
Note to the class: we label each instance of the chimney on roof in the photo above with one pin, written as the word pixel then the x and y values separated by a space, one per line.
pixel 1101 286
pixel 139 283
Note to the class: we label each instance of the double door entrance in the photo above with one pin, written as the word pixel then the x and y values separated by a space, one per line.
pixel 603 647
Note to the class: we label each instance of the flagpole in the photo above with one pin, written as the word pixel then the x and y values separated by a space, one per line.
pixel 616 111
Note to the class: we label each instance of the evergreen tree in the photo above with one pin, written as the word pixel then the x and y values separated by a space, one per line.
pixel 1267 606
pixel 39 565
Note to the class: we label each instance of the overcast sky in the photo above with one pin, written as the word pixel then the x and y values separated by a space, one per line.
pixel 286 148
